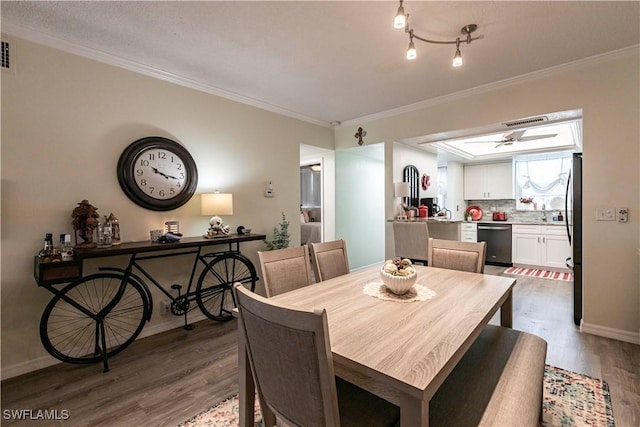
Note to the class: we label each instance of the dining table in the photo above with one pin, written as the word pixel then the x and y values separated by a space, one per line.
pixel 399 348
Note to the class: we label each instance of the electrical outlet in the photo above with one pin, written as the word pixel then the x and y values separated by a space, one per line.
pixel 622 214
pixel 165 307
pixel 605 214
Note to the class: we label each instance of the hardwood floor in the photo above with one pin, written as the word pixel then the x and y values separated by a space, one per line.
pixel 164 379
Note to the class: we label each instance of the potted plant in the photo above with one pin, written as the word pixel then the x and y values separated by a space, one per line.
pixel 281 236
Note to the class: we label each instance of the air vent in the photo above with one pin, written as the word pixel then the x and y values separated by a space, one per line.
pixel 528 121
pixel 5 56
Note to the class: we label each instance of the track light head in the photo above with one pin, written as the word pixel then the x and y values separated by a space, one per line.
pixel 457 59
pixel 400 20
pixel 411 52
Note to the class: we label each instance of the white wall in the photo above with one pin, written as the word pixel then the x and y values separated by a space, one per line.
pixel 607 90
pixel 426 163
pixel 455 190
pixel 65 121
pixel 360 205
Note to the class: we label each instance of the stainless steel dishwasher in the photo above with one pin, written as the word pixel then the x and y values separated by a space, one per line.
pixel 498 238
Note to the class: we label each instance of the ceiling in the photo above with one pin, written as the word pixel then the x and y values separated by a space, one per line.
pixel 327 61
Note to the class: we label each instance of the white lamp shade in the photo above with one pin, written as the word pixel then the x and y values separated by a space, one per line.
pixel 216 204
pixel 401 189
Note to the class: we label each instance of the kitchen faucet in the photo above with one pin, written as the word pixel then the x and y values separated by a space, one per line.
pixel 544 213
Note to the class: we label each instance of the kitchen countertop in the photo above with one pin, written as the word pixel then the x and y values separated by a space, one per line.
pixel 428 220
pixel 453 221
pixel 522 222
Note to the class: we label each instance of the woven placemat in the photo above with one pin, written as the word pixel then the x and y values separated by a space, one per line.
pixel 417 293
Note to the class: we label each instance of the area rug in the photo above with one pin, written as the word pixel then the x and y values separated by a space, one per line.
pixel 540 274
pixel 570 399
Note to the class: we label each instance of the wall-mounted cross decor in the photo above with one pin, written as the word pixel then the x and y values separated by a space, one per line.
pixel 359 135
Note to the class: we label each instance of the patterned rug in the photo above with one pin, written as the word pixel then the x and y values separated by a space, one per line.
pixel 540 274
pixel 570 399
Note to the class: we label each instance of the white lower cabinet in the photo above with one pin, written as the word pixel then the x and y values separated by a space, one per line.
pixel 468 232
pixel 540 245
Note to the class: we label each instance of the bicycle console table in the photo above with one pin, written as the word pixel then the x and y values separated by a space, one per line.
pixel 95 317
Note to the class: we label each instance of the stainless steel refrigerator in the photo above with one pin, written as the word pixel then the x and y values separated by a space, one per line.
pixel 573 209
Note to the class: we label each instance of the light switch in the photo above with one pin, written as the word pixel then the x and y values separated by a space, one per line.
pixel 605 214
pixel 622 214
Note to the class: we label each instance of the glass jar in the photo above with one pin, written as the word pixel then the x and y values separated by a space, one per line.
pixel 104 234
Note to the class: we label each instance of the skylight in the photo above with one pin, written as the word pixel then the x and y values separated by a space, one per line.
pixel 497 144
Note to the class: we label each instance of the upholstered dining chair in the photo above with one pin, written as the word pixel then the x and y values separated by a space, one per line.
pixel 292 366
pixel 411 240
pixel 284 270
pixel 329 259
pixel 455 255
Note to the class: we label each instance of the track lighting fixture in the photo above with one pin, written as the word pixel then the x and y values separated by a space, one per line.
pixel 402 21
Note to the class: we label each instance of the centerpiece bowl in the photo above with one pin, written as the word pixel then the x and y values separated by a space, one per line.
pixel 398 275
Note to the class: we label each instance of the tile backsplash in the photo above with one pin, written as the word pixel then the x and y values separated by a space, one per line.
pixel 509 206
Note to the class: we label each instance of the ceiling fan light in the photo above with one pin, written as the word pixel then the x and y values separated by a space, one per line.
pixel 411 52
pixel 401 19
pixel 457 59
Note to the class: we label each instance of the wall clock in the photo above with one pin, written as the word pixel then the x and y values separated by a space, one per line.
pixel 157 173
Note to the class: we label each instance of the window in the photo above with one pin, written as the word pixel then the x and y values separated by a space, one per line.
pixel 310 196
pixel 541 181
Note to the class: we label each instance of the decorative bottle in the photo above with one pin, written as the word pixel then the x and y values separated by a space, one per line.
pixel 47 251
pixel 66 249
pixel 115 229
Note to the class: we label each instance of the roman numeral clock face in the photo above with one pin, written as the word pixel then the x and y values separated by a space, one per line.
pixel 157 173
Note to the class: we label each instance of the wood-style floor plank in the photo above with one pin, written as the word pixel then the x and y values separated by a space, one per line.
pixel 165 379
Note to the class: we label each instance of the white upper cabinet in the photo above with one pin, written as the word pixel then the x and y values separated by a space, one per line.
pixel 488 182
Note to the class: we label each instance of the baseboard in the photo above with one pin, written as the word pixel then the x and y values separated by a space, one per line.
pixel 616 334
pixel 47 360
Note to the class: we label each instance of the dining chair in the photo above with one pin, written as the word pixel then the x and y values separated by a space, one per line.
pixel 411 240
pixel 329 259
pixel 284 270
pixel 456 255
pixel 292 366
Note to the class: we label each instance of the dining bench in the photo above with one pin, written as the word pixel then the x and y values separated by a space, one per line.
pixel 498 382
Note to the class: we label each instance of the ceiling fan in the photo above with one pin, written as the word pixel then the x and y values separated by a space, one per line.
pixel 516 136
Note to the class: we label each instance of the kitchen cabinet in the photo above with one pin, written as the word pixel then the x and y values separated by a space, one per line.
pixel 468 232
pixel 488 181
pixel 540 245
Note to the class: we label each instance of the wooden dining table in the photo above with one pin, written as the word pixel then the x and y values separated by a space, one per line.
pixel 401 351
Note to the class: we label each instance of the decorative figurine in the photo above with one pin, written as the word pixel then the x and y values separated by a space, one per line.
pixel 115 229
pixel 217 227
pixel 85 220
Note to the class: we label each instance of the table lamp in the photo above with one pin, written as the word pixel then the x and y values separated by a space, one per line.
pixel 216 204
pixel 401 189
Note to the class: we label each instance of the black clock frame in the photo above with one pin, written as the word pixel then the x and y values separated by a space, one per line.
pixel 126 173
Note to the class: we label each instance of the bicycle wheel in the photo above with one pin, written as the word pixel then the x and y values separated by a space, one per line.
pixel 214 292
pixel 74 335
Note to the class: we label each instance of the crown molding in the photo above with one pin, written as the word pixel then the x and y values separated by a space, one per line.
pixel 100 56
pixel 107 58
pixel 535 75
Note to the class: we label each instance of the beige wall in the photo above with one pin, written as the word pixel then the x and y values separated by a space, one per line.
pixel 607 90
pixel 65 121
